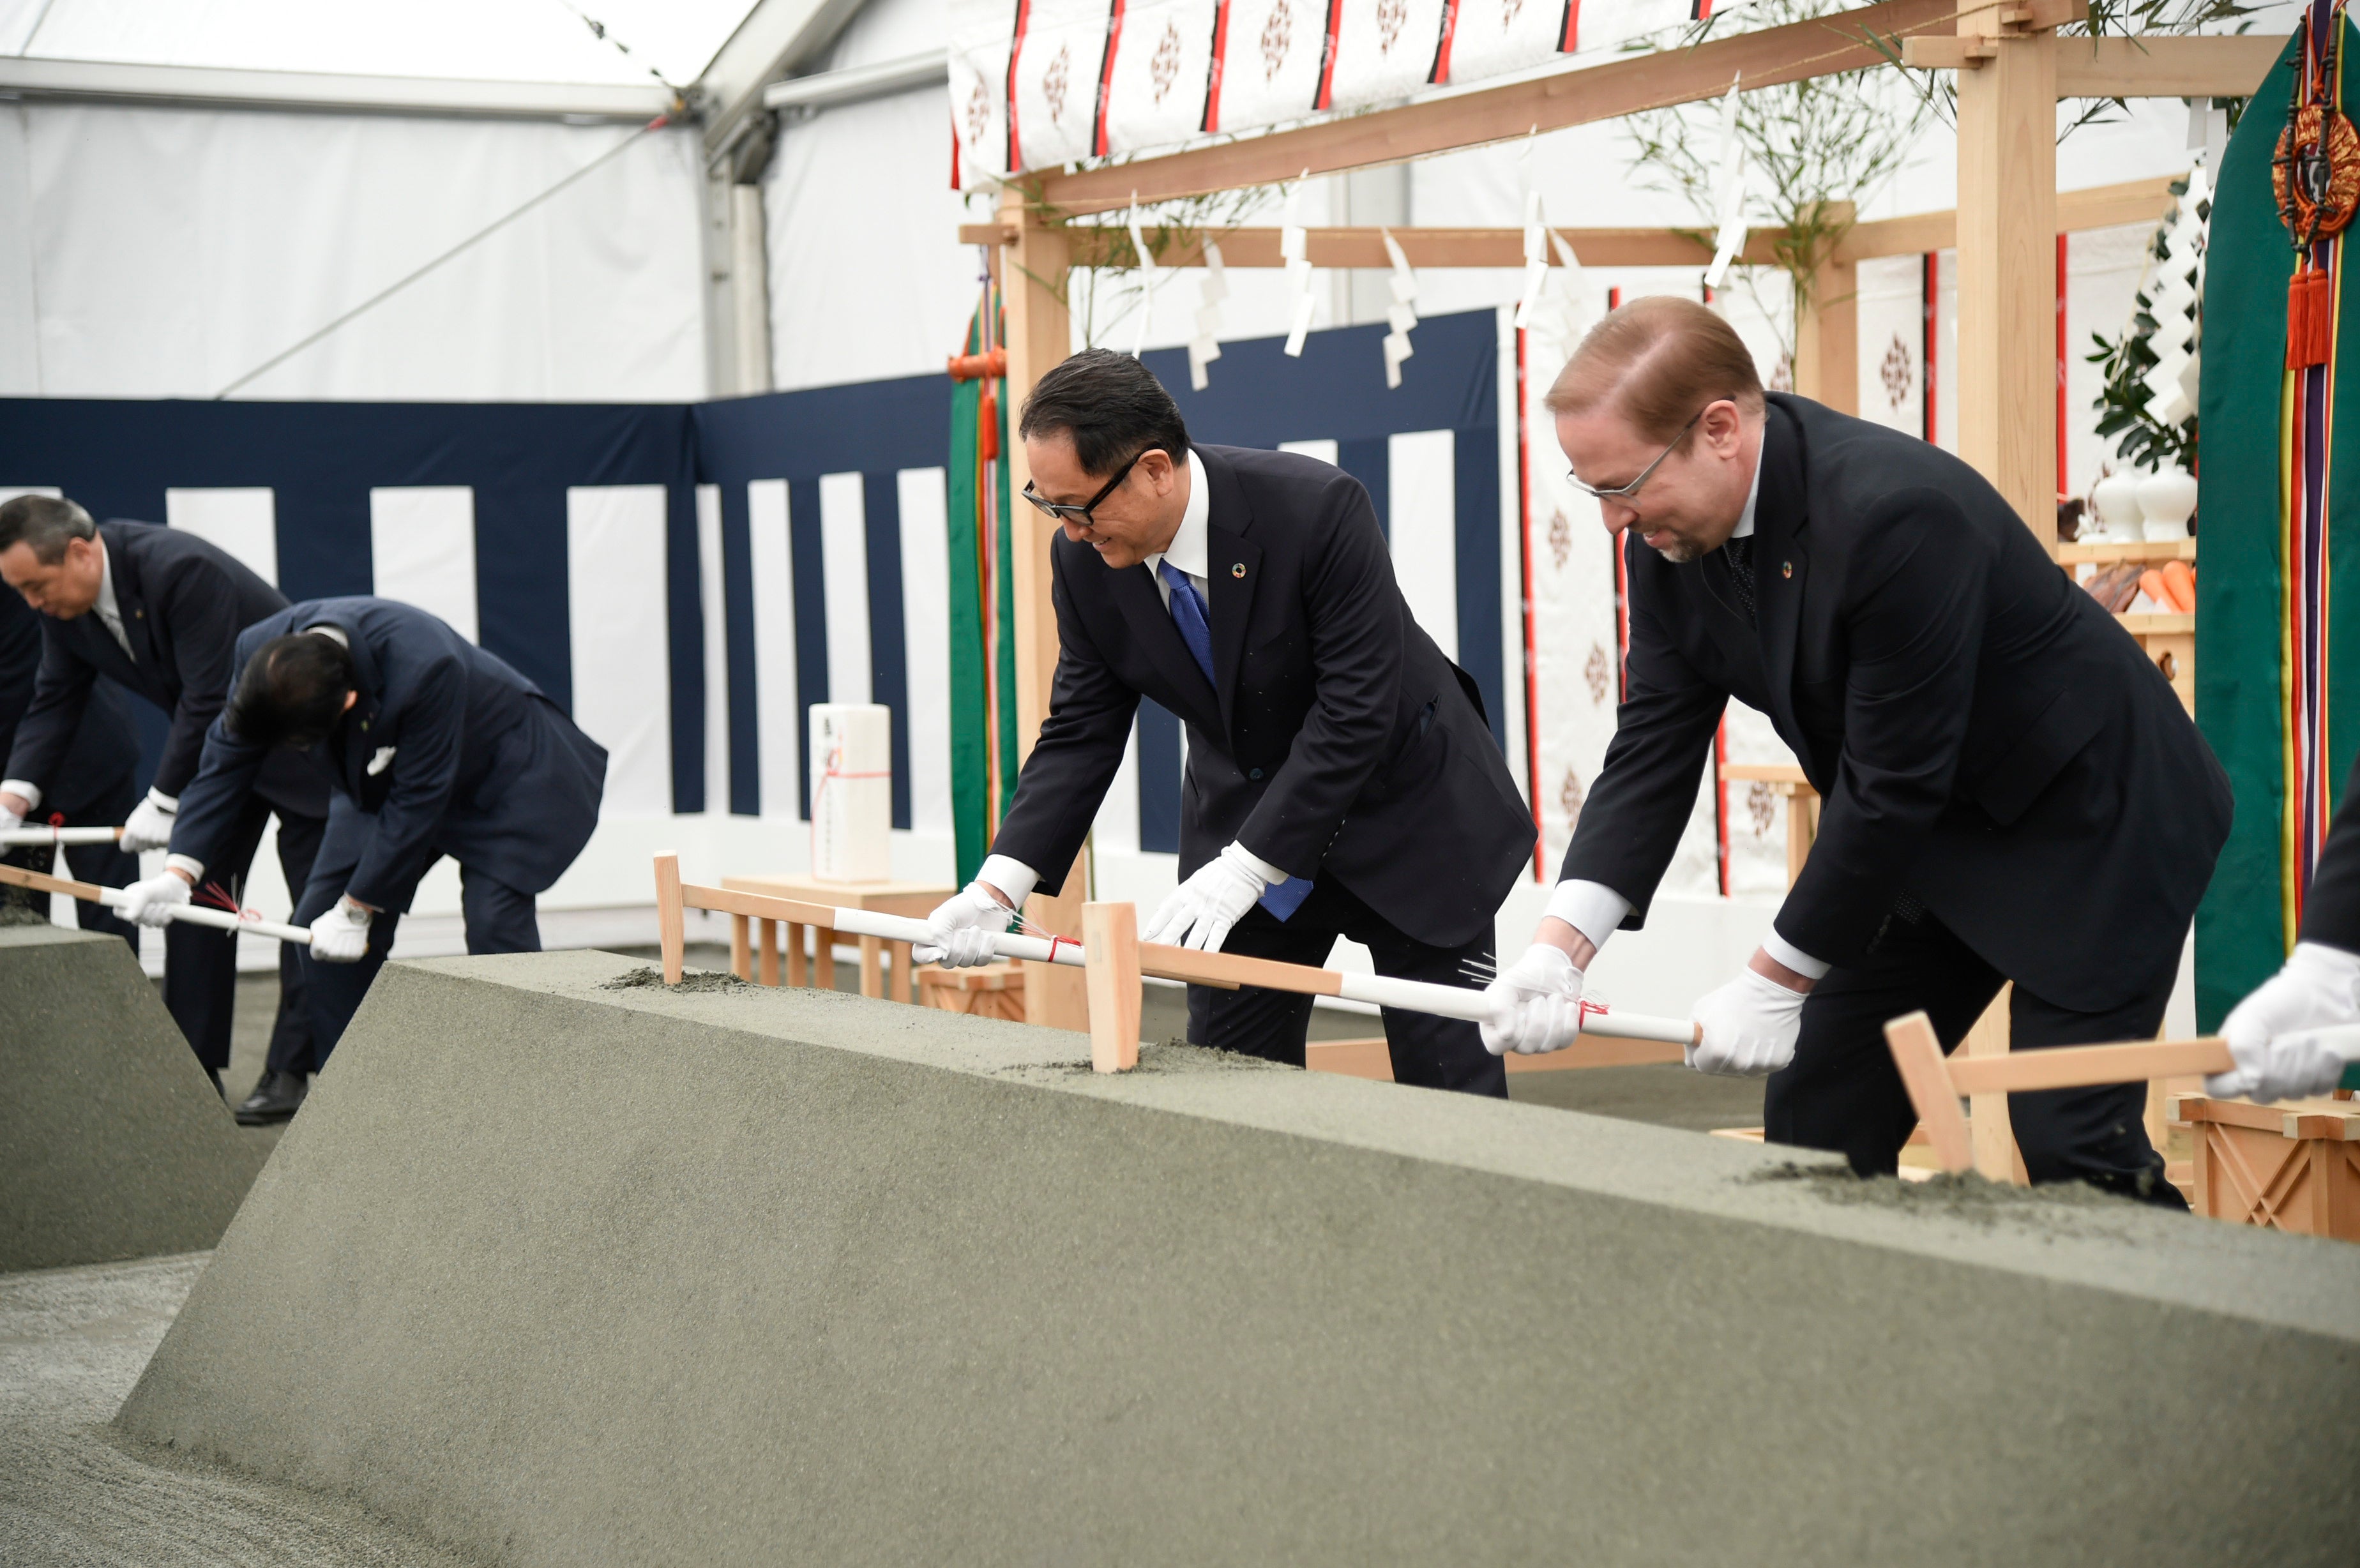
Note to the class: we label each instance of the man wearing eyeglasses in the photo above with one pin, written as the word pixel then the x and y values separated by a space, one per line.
pixel 2011 790
pixel 1341 779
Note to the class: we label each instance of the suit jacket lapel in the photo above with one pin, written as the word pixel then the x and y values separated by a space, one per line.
pixel 360 733
pixel 1143 609
pixel 131 604
pixel 1232 566
pixel 1781 566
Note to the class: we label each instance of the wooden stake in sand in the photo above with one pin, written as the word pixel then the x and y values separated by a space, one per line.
pixel 1111 939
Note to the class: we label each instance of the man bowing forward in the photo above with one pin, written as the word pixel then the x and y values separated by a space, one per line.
pixel 1341 779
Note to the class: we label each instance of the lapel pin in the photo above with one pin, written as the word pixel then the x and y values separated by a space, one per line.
pixel 1239 569
pixel 1785 569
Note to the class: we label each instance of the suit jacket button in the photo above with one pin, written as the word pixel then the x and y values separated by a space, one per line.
pixel 1253 773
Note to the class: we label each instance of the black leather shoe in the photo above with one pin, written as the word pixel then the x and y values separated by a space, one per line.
pixel 274 1100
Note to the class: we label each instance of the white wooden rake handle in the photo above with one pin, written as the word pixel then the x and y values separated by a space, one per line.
pixel 186 914
pixel 33 838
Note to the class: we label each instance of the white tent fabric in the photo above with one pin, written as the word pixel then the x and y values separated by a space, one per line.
pixel 166 252
pixel 516 40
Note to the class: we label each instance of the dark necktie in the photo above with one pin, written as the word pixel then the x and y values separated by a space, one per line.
pixel 1740 552
pixel 1280 899
pixel 1188 615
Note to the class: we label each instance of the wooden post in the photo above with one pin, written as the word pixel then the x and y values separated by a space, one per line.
pixel 671 918
pixel 2007 263
pixel 1827 349
pixel 1995 1135
pixel 1039 334
pixel 795 939
pixel 741 961
pixel 769 952
pixel 1917 1052
pixel 1110 941
pixel 872 974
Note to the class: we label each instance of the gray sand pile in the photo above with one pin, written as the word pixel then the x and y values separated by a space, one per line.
pixel 113 1141
pixel 759 1276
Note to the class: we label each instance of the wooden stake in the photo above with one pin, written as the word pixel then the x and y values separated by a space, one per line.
pixel 1111 939
pixel 672 916
pixel 1917 1052
pixel 1993 1135
pixel 770 953
pixel 741 961
pixel 2086 1066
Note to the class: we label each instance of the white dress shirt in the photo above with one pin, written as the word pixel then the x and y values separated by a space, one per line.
pixel 1597 910
pixel 1191 547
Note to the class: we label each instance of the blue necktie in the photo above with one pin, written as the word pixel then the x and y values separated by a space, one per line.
pixel 1280 899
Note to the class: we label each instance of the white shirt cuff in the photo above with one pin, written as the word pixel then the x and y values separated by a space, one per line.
pixel 1271 875
pixel 18 787
pixel 1013 877
pixel 1794 957
pixel 1591 908
pixel 161 801
pixel 195 869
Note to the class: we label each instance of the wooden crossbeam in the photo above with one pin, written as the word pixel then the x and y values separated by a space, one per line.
pixel 2098 207
pixel 1661 79
pixel 2125 68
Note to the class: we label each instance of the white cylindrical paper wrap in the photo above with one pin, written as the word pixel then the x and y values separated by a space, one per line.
pixel 852 791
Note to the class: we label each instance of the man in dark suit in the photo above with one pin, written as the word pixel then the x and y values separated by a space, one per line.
pixel 159 611
pixel 2273 1033
pixel 2012 790
pixel 100 779
pixel 434 747
pixel 1341 779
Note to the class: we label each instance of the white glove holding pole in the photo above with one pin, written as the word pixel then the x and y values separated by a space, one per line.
pixel 2276 1058
pixel 1750 1026
pixel 1201 910
pixel 341 935
pixel 9 820
pixel 152 901
pixel 1537 1001
pixel 149 825
pixel 959 932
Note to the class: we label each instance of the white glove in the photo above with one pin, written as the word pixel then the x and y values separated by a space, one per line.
pixel 149 825
pixel 1201 910
pixel 9 820
pixel 1750 1026
pixel 1537 1003
pixel 960 932
pixel 151 902
pixel 2275 1059
pixel 340 936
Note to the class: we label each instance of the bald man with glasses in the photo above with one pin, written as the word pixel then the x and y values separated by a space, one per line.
pixel 1342 778
pixel 2012 791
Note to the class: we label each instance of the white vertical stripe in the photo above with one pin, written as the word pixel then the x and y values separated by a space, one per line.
pixel 622 668
pixel 423 550
pixel 926 638
pixel 243 522
pixel 1426 530
pixel 1116 832
pixel 779 715
pixel 1324 451
pixel 716 605
pixel 844 561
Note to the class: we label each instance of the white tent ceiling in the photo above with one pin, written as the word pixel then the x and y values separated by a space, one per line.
pixel 514 40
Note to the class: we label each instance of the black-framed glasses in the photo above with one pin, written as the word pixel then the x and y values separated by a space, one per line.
pixel 1624 492
pixel 1067 512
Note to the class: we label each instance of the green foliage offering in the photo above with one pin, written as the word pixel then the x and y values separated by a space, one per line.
pixel 2123 404
pixel 1815 150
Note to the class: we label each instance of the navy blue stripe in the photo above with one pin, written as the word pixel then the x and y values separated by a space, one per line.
pixel 1159 778
pixel 1476 491
pixel 811 623
pixel 1370 463
pixel 685 619
pixel 888 648
pixel 522 586
pixel 1337 390
pixel 737 602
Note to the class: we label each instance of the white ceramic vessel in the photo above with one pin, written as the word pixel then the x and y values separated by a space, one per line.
pixel 2168 499
pixel 2117 501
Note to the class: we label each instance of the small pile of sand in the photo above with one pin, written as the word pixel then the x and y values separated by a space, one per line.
pixel 695 981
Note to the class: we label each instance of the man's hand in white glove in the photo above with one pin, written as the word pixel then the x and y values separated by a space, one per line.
pixel 1750 1026
pixel 1201 910
pixel 340 936
pixel 149 825
pixel 2276 1059
pixel 13 808
pixel 152 901
pixel 1538 1003
pixel 960 932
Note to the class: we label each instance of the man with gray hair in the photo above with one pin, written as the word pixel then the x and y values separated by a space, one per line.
pixel 158 610
pixel 2012 790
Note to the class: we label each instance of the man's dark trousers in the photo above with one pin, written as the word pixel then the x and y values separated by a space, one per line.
pixel 201 963
pixel 1842 1092
pixel 1427 1051
pixel 500 918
